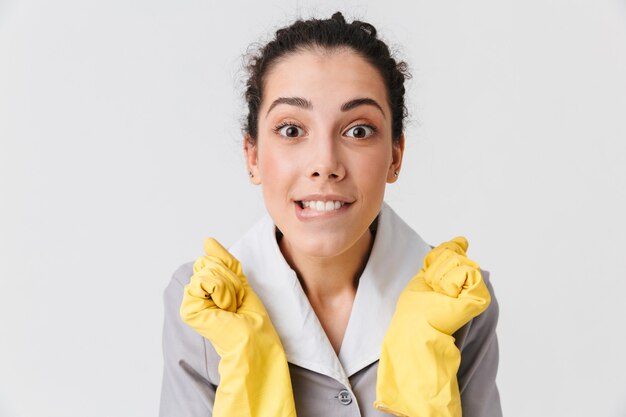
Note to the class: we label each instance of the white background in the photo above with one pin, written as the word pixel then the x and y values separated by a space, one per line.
pixel 120 152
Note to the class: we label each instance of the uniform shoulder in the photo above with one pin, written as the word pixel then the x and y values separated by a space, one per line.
pixel 493 311
pixel 182 274
pixel 185 347
pixel 482 327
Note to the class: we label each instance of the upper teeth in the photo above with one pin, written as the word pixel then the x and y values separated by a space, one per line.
pixel 322 205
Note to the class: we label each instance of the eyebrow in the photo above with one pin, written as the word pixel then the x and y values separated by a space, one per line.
pixel 307 105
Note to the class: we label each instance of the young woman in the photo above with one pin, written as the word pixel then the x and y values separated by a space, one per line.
pixel 323 138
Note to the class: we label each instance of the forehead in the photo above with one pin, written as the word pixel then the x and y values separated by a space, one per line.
pixel 325 77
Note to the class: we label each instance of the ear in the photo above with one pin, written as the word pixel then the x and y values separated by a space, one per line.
pixel 397 151
pixel 250 151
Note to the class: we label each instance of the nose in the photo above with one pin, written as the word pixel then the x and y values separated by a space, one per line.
pixel 326 159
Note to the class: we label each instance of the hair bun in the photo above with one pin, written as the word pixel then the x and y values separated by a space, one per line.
pixel 365 27
pixel 337 16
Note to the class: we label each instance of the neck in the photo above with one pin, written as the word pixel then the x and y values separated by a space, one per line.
pixel 329 278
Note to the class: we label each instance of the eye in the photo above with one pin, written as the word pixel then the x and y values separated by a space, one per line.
pixel 289 130
pixel 361 131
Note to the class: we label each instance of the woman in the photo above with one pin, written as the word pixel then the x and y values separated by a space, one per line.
pixel 324 135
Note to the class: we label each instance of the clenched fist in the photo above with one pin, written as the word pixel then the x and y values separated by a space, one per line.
pixel 419 360
pixel 219 304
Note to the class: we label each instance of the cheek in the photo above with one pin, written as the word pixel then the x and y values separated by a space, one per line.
pixel 272 164
pixel 277 170
pixel 375 181
pixel 373 166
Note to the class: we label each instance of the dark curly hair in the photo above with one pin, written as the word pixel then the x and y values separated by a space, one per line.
pixel 327 34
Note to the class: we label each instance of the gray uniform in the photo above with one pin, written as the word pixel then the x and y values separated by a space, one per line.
pixel 324 383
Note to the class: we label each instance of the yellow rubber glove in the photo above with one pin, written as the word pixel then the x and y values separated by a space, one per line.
pixel 220 305
pixel 419 360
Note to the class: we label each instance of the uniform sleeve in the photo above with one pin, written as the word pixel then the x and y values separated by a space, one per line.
pixel 187 390
pixel 479 363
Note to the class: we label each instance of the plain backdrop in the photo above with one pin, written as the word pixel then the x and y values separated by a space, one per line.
pixel 120 151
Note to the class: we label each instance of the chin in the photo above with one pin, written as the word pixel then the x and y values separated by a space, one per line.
pixel 323 243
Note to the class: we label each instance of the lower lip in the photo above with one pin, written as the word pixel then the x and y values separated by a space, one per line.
pixel 309 214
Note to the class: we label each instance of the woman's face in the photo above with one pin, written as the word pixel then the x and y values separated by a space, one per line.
pixel 324 150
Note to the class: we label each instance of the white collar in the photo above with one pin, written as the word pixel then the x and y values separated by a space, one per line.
pixel 395 258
